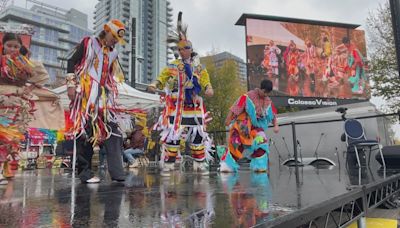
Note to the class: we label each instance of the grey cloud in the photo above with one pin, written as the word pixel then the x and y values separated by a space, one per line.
pixel 211 22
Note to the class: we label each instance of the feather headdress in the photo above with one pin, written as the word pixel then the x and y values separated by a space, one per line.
pixel 178 38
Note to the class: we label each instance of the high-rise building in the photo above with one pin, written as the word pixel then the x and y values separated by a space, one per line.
pixel 148 21
pixel 220 58
pixel 56 32
pixel 105 10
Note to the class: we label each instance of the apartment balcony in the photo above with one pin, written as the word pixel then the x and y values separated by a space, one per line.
pixel 40 41
pixel 49 62
pixel 125 14
pixel 28 18
pixel 125 68
pixel 67 38
pixel 169 5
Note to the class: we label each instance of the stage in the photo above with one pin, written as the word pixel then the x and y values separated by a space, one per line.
pixel 51 198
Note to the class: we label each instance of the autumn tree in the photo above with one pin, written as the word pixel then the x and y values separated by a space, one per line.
pixel 227 88
pixel 383 65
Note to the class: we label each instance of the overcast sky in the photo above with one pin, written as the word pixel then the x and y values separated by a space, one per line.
pixel 212 22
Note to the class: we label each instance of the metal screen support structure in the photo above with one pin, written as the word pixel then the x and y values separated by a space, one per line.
pixel 295 151
pixel 361 222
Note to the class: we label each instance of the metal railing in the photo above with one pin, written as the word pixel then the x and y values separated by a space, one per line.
pixel 219 136
pixel 342 210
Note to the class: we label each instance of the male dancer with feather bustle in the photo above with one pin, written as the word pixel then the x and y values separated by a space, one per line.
pixel 183 80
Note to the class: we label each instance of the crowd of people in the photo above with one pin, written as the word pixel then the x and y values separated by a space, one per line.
pixel 316 70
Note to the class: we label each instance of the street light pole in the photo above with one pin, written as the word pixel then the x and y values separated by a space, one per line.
pixel 133 52
pixel 395 11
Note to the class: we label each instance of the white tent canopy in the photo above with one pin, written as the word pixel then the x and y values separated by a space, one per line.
pixel 128 97
pixel 264 31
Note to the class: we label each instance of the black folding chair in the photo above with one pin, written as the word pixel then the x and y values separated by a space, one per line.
pixel 356 140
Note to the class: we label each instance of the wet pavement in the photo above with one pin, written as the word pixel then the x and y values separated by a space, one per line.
pixel 51 198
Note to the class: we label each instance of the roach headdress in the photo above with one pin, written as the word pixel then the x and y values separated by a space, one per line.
pixel 178 38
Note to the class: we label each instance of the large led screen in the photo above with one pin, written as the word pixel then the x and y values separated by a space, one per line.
pixel 307 60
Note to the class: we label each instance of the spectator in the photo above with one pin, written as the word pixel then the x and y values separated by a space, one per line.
pixel 135 147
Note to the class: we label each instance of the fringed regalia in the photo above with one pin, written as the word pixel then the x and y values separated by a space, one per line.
pixel 184 116
pixel 94 106
pixel 16 108
pixel 356 64
pixel 247 136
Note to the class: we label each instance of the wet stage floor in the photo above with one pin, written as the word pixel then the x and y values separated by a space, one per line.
pixel 51 198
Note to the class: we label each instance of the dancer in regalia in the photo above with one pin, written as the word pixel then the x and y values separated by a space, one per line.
pixel 16 105
pixel 356 65
pixel 248 120
pixel 183 81
pixel 93 74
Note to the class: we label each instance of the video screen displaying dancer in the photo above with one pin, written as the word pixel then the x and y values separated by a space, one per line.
pixel 307 60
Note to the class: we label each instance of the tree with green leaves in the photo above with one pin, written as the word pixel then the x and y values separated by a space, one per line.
pixel 383 62
pixel 227 88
